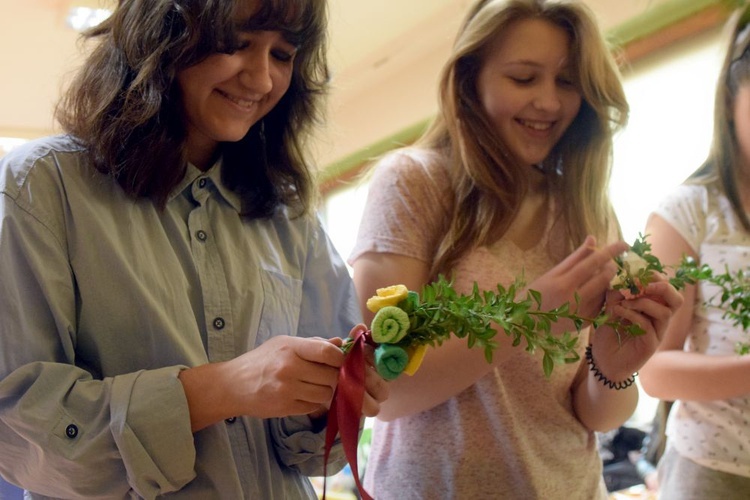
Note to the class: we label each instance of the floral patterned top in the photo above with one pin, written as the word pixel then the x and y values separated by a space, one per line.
pixel 714 434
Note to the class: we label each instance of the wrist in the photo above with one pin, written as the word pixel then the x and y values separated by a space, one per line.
pixel 204 390
pixel 617 384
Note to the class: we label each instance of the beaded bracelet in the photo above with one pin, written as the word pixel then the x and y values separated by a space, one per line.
pixel 599 375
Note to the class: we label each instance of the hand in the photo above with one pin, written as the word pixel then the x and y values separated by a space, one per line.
pixel 618 356
pixel 285 376
pixel 376 388
pixel 585 272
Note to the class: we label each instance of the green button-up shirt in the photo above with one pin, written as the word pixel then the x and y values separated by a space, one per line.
pixel 104 299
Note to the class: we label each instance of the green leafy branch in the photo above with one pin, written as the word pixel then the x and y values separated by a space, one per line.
pixel 441 312
pixel 733 295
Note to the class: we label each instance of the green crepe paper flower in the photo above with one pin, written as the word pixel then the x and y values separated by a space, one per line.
pixel 390 325
pixel 390 360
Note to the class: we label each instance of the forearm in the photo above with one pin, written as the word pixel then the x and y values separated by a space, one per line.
pixel 691 376
pixel 599 407
pixel 446 371
pixel 204 389
pixel 127 428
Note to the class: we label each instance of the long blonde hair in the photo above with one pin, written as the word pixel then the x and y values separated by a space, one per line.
pixel 488 185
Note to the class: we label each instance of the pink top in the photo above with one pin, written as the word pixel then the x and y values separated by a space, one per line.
pixel 513 434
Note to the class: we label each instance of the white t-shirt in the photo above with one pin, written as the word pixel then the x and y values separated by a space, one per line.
pixel 715 434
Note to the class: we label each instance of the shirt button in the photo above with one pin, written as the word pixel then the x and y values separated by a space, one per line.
pixel 202 183
pixel 201 235
pixel 219 323
pixel 231 420
pixel 71 431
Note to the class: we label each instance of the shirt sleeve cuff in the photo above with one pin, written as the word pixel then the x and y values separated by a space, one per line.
pixel 300 448
pixel 150 422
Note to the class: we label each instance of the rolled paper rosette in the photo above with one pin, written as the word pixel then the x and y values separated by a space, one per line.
pixel 388 296
pixel 390 361
pixel 416 355
pixel 390 325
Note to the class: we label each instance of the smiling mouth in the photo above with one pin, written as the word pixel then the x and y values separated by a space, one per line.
pixel 536 125
pixel 243 103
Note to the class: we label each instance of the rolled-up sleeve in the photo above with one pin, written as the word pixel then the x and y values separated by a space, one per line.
pixel 66 432
pixel 302 449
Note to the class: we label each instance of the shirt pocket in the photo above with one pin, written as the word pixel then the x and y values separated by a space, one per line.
pixel 282 299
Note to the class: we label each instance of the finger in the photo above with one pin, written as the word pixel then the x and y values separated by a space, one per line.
pixel 369 355
pixel 377 392
pixel 319 351
pixel 595 270
pixel 666 292
pixel 375 385
pixel 585 249
pixel 370 406
pixel 636 318
pixel 337 341
pixel 314 393
pixel 319 374
pixel 649 307
pixel 360 328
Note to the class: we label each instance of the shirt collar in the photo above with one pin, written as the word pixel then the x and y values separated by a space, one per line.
pixel 193 174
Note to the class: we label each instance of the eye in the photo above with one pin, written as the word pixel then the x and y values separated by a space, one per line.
pixel 522 80
pixel 234 46
pixel 284 55
pixel 565 82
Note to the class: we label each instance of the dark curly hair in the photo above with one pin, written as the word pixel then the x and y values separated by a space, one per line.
pixel 125 105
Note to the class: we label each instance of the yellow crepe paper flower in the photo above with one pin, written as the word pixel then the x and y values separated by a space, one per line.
pixel 416 355
pixel 388 296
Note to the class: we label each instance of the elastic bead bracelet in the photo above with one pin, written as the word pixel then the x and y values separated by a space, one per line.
pixel 600 376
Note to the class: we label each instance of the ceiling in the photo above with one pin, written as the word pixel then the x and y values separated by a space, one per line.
pixel 40 51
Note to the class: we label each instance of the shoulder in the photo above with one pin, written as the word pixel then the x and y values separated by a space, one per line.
pixel 688 208
pixel 49 177
pixel 413 172
pixel 41 161
pixel 687 200
pixel 413 164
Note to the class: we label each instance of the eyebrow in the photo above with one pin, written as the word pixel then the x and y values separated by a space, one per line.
pixel 252 23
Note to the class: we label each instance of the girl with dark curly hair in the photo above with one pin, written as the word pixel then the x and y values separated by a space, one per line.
pixel 169 305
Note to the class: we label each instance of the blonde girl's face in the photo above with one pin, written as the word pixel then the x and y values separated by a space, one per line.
pixel 528 88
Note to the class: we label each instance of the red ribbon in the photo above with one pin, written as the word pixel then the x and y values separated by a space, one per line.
pixel 346 408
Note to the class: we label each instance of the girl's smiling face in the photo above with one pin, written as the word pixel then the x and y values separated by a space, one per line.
pixel 528 88
pixel 224 95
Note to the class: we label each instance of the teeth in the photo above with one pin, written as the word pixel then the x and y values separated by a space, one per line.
pixel 241 102
pixel 536 125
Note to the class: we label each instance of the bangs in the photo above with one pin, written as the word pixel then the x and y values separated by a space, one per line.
pixel 297 20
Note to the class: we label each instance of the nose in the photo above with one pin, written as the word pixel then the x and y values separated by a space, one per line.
pixel 548 97
pixel 255 74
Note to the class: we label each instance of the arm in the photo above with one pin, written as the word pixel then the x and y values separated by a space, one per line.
pixel 58 421
pixel 673 373
pixel 453 364
pixel 329 309
pixel 599 407
pixel 452 367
